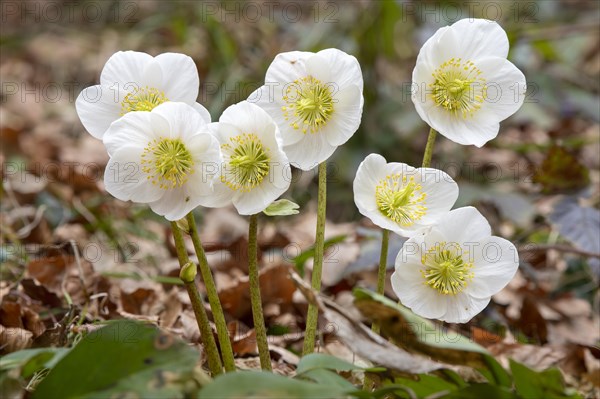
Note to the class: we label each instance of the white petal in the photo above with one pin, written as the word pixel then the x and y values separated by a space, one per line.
pixel 180 77
pixel 318 67
pixel 344 68
pixel 207 162
pixel 270 100
pixel 439 48
pixel 98 107
pixel 417 296
pixel 464 225
pixel 506 87
pixel 183 120
pixel 495 262
pixel 366 181
pixel 134 128
pixel 174 204
pixel 123 68
pixel 474 131
pixel 309 152
pixel 479 38
pixel 441 190
pixel 124 179
pixel 280 174
pixel 257 199
pixel 203 112
pixel 287 67
pixel 223 131
pixel 249 118
pixel 152 76
pixel 204 147
pixel 346 116
pixel 222 196
pixel 462 307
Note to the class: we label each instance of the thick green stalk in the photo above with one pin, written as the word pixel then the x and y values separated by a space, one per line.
pixel 257 312
pixel 313 312
pixel 385 239
pixel 429 148
pixel 213 297
pixel 206 335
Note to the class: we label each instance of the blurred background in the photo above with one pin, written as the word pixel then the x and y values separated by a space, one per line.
pixel 537 182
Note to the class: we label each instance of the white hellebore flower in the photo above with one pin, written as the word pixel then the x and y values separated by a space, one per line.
pixel 315 99
pixel 166 158
pixel 255 171
pixel 400 198
pixel 134 81
pixel 450 272
pixel 463 85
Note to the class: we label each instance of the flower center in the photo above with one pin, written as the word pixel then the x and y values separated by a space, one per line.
pixel 309 104
pixel 400 199
pixel 458 87
pixel 142 99
pixel 445 270
pixel 246 162
pixel 167 162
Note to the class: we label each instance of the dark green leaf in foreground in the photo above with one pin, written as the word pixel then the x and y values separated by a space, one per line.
pixel 124 357
pixel 417 334
pixel 250 384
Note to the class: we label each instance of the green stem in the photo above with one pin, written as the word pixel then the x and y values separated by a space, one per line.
pixel 429 148
pixel 257 312
pixel 375 327
pixel 206 335
pixel 213 297
pixel 313 312
pixel 385 240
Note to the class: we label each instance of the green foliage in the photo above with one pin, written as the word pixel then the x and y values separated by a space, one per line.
pixel 123 357
pixel 282 207
pixel 416 334
pixel 545 384
pixel 246 384
pixel 316 361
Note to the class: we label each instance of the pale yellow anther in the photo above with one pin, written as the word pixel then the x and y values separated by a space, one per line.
pixel 399 200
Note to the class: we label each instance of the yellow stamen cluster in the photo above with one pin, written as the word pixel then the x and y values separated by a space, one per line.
pixel 247 162
pixel 445 269
pixel 167 162
pixel 458 87
pixel 142 99
pixel 400 199
pixel 309 104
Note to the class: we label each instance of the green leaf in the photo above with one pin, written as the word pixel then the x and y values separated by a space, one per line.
pixel 532 384
pixel 251 384
pixel 487 391
pixel 282 207
pixel 123 357
pixel 328 378
pixel 426 385
pixel 416 334
pixel 322 361
pixel 32 360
